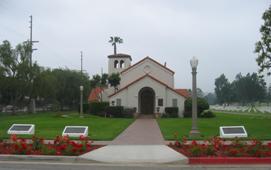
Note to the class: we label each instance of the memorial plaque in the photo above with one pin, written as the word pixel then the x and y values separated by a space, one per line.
pixel 75 131
pixel 20 128
pixel 232 131
pixel 24 129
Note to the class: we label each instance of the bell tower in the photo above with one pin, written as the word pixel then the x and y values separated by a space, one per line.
pixel 118 62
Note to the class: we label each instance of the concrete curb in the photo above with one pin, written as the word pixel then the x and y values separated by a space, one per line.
pixel 47 158
pixel 73 159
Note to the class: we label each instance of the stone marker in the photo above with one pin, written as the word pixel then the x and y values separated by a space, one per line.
pixel 22 129
pixel 232 131
pixel 75 131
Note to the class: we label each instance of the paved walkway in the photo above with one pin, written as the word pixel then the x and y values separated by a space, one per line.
pixel 144 131
pixel 141 142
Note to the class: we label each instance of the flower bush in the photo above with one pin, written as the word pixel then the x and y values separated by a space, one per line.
pixel 217 147
pixel 62 145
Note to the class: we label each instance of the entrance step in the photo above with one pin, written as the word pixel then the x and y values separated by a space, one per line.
pixel 142 116
pixel 135 154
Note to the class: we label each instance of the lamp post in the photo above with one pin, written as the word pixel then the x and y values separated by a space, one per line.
pixel 81 100
pixel 194 131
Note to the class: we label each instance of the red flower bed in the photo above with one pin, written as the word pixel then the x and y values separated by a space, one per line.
pixel 60 146
pixel 216 151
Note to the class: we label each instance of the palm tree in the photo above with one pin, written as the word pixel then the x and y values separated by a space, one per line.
pixel 114 41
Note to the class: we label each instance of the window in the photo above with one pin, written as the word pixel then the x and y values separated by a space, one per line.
pixel 118 102
pixel 121 63
pixel 160 102
pixel 174 103
pixel 116 62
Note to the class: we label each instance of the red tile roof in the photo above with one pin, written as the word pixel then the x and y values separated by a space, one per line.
pixel 147 75
pixel 183 92
pixel 95 94
pixel 151 60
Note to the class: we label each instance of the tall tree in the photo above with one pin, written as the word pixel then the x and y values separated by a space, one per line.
pixel 114 40
pixel 68 83
pixel 95 81
pixel 249 88
pixel 211 98
pixel 19 81
pixel 200 93
pixel 114 80
pixel 263 47
pixel 104 79
pixel 223 89
pixel 17 75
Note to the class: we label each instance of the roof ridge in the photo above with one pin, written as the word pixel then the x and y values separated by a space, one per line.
pixel 147 57
pixel 147 75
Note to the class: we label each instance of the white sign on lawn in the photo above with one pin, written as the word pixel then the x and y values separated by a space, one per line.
pixel 232 131
pixel 75 131
pixel 22 129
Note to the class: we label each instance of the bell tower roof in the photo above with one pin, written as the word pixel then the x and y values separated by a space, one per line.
pixel 120 55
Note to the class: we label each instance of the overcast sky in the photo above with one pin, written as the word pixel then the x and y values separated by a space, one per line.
pixel 220 33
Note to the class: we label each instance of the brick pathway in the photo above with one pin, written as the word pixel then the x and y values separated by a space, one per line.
pixel 144 131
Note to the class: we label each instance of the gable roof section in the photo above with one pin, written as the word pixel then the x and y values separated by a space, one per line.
pixel 146 75
pixel 94 95
pixel 144 60
pixel 183 92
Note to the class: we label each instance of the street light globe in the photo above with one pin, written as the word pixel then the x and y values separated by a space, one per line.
pixel 81 88
pixel 194 62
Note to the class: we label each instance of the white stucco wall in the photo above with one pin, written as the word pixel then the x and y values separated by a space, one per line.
pixel 129 96
pixel 150 67
pixel 111 69
pixel 180 101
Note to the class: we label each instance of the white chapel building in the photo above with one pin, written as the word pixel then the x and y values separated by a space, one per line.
pixel 146 85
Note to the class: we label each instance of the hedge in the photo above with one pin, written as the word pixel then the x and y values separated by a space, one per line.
pixel 85 108
pixel 120 112
pixel 171 112
pixel 129 112
pixel 115 111
pixel 97 107
pixel 207 114
pixel 202 105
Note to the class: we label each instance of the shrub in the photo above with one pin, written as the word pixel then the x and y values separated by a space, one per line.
pixel 207 114
pixel 195 151
pixel 171 112
pixel 115 111
pixel 97 107
pixel 129 112
pixel 202 105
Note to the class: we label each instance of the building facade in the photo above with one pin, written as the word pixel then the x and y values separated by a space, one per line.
pixel 146 85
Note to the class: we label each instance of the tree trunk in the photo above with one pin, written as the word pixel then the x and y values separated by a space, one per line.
pixel 115 48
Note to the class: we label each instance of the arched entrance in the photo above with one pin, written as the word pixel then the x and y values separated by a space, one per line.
pixel 146 100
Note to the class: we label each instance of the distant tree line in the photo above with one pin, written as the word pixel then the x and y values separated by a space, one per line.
pixel 251 87
pixel 22 81
pixel 244 89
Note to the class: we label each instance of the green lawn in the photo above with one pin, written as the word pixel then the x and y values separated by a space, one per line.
pixel 258 125
pixel 49 125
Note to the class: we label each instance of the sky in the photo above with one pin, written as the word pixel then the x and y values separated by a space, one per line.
pixel 220 33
